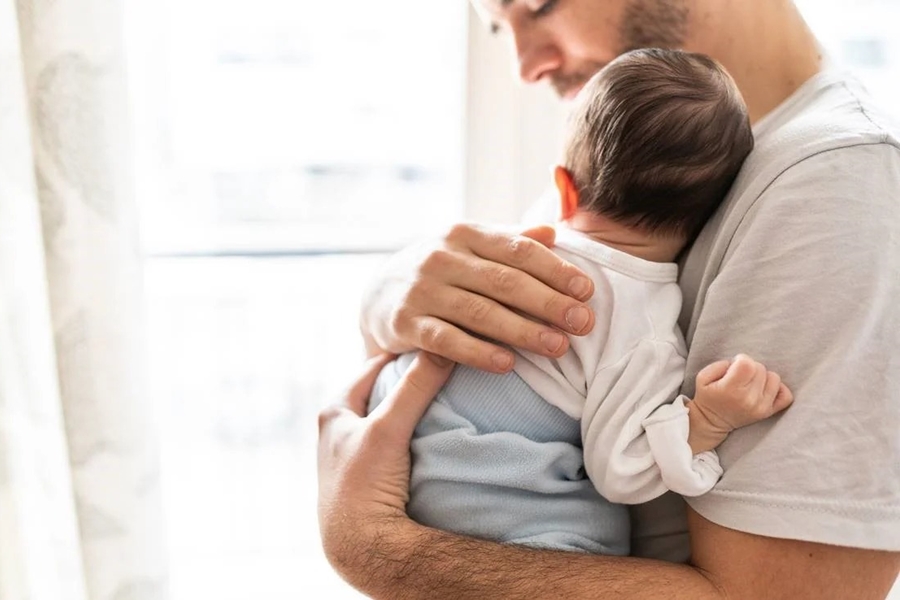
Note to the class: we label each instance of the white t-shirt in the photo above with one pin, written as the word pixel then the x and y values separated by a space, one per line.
pixel 622 380
pixel 800 268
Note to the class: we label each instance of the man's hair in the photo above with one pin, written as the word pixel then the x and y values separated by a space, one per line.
pixel 657 140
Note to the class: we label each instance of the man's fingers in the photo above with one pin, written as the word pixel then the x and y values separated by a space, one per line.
pixel 461 288
pixel 528 294
pixel 490 320
pixel 464 326
pixel 527 255
pixel 443 339
pixel 473 284
pixel 407 402
pixel 356 398
pixel 497 286
pixel 712 373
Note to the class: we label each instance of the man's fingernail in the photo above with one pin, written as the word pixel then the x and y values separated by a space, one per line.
pixel 578 318
pixel 552 341
pixel 580 287
pixel 502 361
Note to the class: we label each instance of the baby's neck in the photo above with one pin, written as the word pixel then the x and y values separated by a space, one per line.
pixel 626 239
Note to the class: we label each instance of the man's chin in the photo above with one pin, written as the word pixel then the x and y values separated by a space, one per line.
pixel 571 93
pixel 568 87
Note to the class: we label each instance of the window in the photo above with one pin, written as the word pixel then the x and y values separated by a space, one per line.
pixel 244 350
pixel 283 148
pixel 861 36
pixel 298 126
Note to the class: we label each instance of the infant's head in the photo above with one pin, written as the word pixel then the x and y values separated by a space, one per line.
pixel 656 140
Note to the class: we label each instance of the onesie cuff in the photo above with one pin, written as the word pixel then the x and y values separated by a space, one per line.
pixel 682 471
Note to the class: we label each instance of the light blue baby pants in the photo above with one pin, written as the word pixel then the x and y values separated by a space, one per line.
pixel 493 460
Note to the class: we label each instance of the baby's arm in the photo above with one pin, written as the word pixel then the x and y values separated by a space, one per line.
pixel 639 442
pixel 732 394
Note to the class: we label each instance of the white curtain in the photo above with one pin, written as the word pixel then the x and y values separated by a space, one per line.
pixel 80 505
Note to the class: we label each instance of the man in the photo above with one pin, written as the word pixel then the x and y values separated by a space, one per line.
pixel 798 268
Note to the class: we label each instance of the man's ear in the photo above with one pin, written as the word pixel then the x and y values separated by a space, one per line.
pixel 568 193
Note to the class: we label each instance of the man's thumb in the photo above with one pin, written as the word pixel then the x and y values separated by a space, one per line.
pixel 410 398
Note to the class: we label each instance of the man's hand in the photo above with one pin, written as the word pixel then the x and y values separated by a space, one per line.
pixel 508 288
pixel 733 394
pixel 364 460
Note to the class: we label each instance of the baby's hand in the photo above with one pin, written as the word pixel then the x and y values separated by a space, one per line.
pixel 732 394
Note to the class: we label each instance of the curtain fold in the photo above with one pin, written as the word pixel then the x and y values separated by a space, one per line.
pixel 80 503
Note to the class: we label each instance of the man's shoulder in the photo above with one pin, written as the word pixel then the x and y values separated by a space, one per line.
pixel 837 116
pixel 829 165
pixel 840 112
pixel 833 142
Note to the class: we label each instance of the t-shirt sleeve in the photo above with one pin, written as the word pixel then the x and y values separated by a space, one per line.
pixel 810 286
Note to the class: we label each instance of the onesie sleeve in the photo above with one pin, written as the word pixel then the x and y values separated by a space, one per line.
pixel 635 429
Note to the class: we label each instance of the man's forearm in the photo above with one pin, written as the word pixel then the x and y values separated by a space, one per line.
pixel 368 538
pixel 407 561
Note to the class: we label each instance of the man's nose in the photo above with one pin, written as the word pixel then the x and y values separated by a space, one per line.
pixel 537 56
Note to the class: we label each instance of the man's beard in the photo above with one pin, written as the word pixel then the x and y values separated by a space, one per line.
pixel 653 24
pixel 564 82
pixel 645 24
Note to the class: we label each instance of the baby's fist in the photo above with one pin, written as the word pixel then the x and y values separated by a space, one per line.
pixel 740 392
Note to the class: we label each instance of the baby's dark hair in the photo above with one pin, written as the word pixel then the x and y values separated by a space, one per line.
pixel 657 140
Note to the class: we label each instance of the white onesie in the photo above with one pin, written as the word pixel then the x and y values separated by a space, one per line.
pixel 622 380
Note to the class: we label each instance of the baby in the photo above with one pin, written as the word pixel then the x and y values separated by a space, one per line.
pixel 656 140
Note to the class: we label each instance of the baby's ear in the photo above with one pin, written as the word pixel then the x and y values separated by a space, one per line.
pixel 568 193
